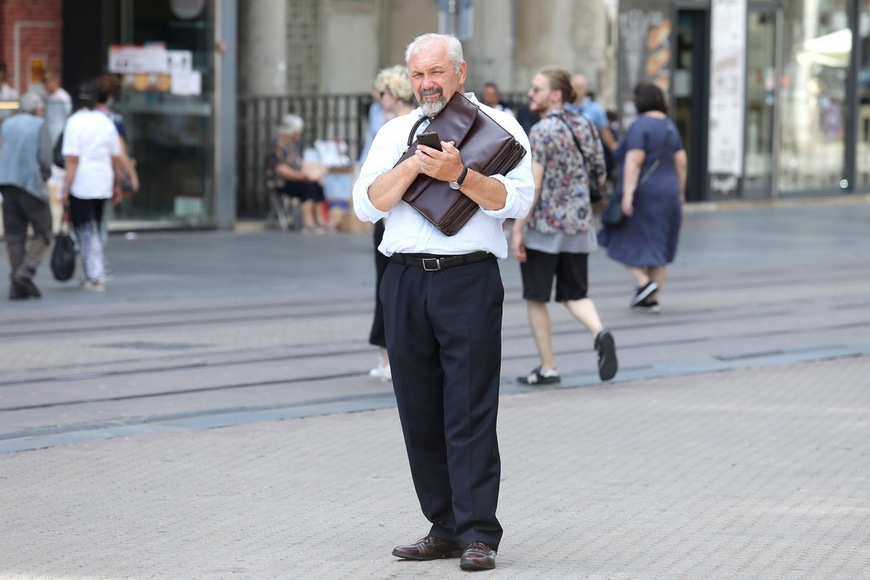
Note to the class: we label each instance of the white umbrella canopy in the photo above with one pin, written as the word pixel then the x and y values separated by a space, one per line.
pixel 832 49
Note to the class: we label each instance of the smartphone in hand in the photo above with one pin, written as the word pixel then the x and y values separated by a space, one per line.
pixel 430 140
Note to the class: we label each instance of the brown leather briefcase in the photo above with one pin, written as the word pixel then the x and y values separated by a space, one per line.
pixel 485 146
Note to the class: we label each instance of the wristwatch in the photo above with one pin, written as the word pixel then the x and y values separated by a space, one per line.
pixel 458 183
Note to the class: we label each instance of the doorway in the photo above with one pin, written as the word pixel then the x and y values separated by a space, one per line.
pixel 690 89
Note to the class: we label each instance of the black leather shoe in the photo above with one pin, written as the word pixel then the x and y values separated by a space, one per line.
pixel 26 287
pixel 16 293
pixel 477 556
pixel 428 548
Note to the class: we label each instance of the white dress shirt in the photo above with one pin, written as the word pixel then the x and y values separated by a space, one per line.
pixel 409 232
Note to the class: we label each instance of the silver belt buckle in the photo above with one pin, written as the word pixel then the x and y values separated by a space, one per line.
pixel 435 268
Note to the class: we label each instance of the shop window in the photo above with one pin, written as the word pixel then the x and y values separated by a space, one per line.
pixel 170 117
pixel 814 95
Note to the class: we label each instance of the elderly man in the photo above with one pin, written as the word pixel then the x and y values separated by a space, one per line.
pixel 25 164
pixel 442 297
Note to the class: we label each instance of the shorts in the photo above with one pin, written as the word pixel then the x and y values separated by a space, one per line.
pixel 304 190
pixel 570 270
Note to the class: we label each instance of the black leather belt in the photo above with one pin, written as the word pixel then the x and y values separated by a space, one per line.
pixel 432 263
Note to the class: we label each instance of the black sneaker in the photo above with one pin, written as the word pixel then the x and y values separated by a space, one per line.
pixel 536 377
pixel 606 347
pixel 643 293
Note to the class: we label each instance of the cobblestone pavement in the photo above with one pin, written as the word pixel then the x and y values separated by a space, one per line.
pixel 759 473
pixel 732 444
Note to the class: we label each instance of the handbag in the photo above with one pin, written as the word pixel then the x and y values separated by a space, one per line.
pixel 63 255
pixel 611 215
pixel 486 147
pixel 595 193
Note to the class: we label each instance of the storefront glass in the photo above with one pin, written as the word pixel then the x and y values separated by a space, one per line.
pixel 169 116
pixel 760 104
pixel 816 49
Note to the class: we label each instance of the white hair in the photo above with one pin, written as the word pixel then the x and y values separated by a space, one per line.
pixel 291 124
pixel 30 102
pixel 454 47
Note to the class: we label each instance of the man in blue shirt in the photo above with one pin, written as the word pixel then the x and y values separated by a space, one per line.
pixel 25 164
pixel 591 110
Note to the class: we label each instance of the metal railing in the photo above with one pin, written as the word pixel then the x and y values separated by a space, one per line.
pixel 342 117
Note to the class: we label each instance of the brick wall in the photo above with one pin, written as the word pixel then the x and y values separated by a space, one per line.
pixel 39 27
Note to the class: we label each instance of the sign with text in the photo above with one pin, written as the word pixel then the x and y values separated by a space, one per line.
pixel 134 59
pixel 727 98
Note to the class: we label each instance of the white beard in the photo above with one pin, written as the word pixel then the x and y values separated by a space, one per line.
pixel 432 109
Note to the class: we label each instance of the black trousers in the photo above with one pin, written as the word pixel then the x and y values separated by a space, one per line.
pixel 443 334
pixel 376 335
pixel 20 209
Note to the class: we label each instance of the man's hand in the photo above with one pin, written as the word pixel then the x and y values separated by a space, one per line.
pixel 518 243
pixel 445 165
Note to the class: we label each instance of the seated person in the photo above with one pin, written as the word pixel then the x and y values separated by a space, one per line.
pixel 284 173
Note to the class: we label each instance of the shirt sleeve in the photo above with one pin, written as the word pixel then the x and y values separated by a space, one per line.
pixel 518 183
pixel 537 144
pixel 600 118
pixel 635 138
pixel 386 149
pixel 70 138
pixel 44 151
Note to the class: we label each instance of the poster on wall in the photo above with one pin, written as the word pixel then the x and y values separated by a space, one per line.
pixel 151 67
pixel 135 59
pixel 727 98
pixel 645 50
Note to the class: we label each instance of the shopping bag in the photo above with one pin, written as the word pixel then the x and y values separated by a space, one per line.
pixel 63 255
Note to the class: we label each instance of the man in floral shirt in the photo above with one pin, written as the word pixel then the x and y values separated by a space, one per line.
pixel 555 240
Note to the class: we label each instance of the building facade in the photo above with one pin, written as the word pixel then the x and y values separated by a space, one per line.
pixel 772 97
pixel 290 50
pixel 176 64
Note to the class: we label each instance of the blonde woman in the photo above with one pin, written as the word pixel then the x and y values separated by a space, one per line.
pixel 394 87
pixel 397 96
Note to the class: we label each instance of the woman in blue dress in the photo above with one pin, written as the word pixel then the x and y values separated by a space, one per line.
pixel 652 182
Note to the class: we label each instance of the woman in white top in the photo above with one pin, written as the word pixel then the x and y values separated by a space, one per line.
pixel 92 158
